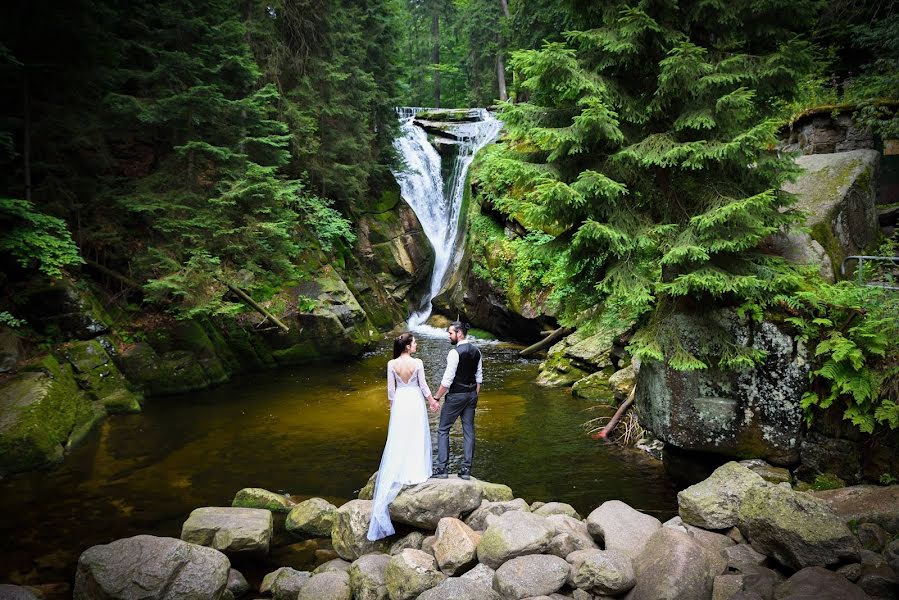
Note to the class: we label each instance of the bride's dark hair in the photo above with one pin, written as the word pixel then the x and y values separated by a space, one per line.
pixel 401 343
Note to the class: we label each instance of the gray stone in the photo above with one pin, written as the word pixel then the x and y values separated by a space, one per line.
pixel 230 530
pixel 284 583
pixel 620 527
pixel 145 566
pixel 865 504
pixel 601 571
pixel 494 492
pixel 368 490
pixel 456 546
pixel 769 473
pixel 822 454
pixel 481 574
pixel 423 505
pixel 673 567
pixel 237 583
pixel 16 592
pixel 458 588
pixel 852 571
pixel 410 573
pixel 891 552
pixel 879 581
pixel 595 387
pixel 725 587
pixel 513 534
pixel 872 536
pixel 348 535
pixel 261 498
pixel 622 382
pixel 367 577
pixel 743 554
pixel 427 544
pixel 312 518
pixel 817 583
pixel 478 519
pixel 333 585
pixel 410 540
pixel 795 529
pixel 867 557
pixel 760 579
pixel 10 350
pixel 532 575
pixel 571 535
pixel 557 508
pixel 335 564
pixel 748 412
pixel 798 247
pixel 715 542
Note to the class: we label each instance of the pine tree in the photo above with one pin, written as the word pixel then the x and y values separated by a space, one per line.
pixel 645 148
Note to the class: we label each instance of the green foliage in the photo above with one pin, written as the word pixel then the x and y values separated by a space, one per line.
pixel 887 479
pixel 644 150
pixel 855 336
pixel 827 481
pixel 32 238
pixel 8 320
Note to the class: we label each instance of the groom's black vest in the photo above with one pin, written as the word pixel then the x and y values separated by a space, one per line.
pixel 464 381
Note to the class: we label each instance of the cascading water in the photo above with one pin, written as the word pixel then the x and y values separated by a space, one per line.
pixel 436 203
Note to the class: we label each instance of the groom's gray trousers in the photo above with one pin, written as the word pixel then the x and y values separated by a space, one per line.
pixel 454 406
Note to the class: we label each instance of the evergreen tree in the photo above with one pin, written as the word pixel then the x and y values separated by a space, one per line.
pixel 646 150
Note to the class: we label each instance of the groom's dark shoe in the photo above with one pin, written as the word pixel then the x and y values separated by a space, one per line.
pixel 439 475
pixel 464 474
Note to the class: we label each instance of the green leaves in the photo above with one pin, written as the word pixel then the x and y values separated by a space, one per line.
pixel 34 238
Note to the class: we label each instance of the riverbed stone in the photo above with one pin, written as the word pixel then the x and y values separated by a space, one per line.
pixel 570 535
pixel 477 520
pixel 512 534
pixel 368 490
pixel 312 518
pixel 673 566
pixel 601 571
pixel 100 378
pixel 865 504
pixel 456 546
pixel 413 539
pixel 716 542
pixel 769 473
pixel 284 583
pixel 557 508
pixel 595 387
pixel 146 566
pixel 237 583
pixel 367 577
pixel 481 573
pixel 622 382
pixel 740 555
pixel 348 534
pixel 410 573
pixel 715 502
pixel 17 592
pixel 725 587
pixel 879 581
pixel 494 492
pixel 872 536
pixel 230 530
pixel 820 584
pixel 748 413
pixel 423 505
pixel 795 529
pixel 458 588
pixel 621 527
pixel 335 564
pixel 331 585
pixel 531 575
pixel 261 498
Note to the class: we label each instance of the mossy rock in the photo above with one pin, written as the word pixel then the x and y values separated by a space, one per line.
pixel 261 498
pixel 559 371
pixel 171 373
pixel 98 376
pixel 595 387
pixel 42 411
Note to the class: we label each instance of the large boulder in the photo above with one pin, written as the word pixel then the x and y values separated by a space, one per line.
pixel 795 529
pixel 151 567
pixel 260 498
pixel 230 530
pixel 817 583
pixel 570 535
pixel 481 574
pixel 478 519
pixel 532 575
pixel 312 518
pixel 367 577
pixel 17 592
pixel 601 571
pixel 748 413
pixel 595 387
pixel 332 585
pixel 512 534
pixel 673 567
pixel 284 583
pixel 350 530
pixel 715 502
pixel 837 193
pixel 456 546
pixel 335 564
pixel 557 508
pixel 865 504
pixel 42 413
pixel 577 356
pixel 413 539
pixel 494 492
pixel 423 505
pixel 100 378
pixel 410 573
pixel 620 527
pixel 458 588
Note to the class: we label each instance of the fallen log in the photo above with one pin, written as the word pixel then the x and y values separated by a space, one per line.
pixel 605 431
pixel 548 341
pixel 255 306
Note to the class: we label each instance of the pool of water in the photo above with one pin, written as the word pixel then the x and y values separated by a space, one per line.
pixel 310 431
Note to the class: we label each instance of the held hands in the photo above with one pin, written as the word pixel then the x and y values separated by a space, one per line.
pixel 432 402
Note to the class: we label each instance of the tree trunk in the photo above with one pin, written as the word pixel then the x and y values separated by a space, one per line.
pixel 435 56
pixel 548 341
pixel 505 6
pixel 500 63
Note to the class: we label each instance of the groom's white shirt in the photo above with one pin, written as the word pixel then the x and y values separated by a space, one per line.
pixel 452 363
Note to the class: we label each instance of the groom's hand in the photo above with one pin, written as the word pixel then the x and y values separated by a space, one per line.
pixel 435 406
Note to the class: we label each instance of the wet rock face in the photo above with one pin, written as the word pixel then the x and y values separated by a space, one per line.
pixel 825 134
pixel 753 413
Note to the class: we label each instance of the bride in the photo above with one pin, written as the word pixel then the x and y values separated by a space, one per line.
pixel 407 453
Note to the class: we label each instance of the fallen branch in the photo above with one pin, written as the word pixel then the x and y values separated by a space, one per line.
pixel 253 304
pixel 130 283
pixel 605 431
pixel 548 341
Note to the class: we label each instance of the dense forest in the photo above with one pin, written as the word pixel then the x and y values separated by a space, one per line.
pixel 170 150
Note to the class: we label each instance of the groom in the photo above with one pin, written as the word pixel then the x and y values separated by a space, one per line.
pixel 460 385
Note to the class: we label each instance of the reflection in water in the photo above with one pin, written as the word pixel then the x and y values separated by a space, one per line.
pixel 311 431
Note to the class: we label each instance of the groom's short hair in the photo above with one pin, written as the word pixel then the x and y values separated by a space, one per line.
pixel 461 327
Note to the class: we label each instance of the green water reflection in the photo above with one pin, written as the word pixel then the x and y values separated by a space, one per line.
pixel 312 431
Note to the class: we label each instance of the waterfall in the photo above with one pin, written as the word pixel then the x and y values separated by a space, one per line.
pixel 436 203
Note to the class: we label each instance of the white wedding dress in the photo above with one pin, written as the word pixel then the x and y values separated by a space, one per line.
pixel 407 453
